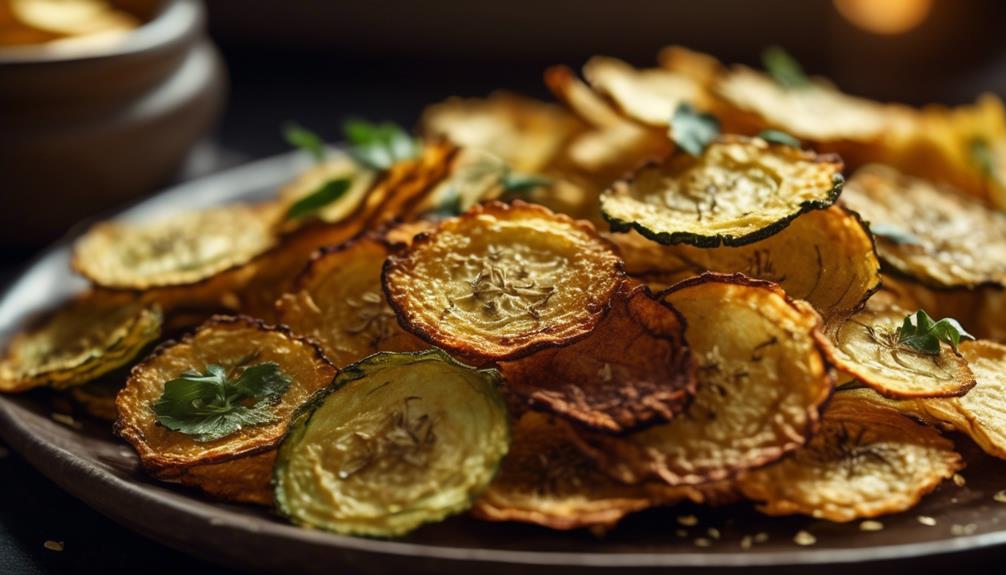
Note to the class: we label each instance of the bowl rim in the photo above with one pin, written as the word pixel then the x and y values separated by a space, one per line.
pixel 173 22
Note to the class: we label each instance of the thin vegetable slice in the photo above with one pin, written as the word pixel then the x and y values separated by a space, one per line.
pixel 247 479
pixel 502 281
pixel 866 346
pixel 339 302
pixel 867 460
pixel 236 348
pixel 647 96
pixel 737 192
pixel 401 440
pixel 930 233
pixel 633 369
pixel 347 204
pixel 546 480
pixel 97 398
pixel 91 335
pixel 180 249
pixel 762 378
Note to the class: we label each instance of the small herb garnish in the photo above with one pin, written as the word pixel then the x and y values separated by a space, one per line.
pixel 215 404
pixel 925 335
pixel 300 137
pixel 691 130
pixel 327 193
pixel 981 155
pixel 472 182
pixel 783 68
pixel 894 234
pixel 779 137
pixel 379 146
pixel 516 184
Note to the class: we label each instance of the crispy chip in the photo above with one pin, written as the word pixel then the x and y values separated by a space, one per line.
pixel 865 345
pixel 243 480
pixel 339 303
pixel 646 96
pixel 97 398
pixel 632 370
pixel 739 191
pixel 762 378
pixel 932 234
pixel 867 460
pixel 700 67
pixel 229 342
pixel 523 132
pixel 502 281
pixel 544 479
pixel 334 168
pixel 181 249
pixel 86 338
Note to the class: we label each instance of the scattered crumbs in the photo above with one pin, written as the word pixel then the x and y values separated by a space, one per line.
pixel 761 537
pixel 1000 496
pixel 702 542
pixel 53 545
pixel 926 520
pixel 871 526
pixel 959 480
pixel 953 500
pixel 681 533
pixel 688 520
pixel 804 538
pixel 746 542
pixel 713 532
pixel 66 420
pixel 968 529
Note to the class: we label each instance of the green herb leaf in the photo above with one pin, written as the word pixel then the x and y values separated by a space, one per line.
pixel 516 184
pixel 783 68
pixel 691 130
pixel 213 405
pixel 326 193
pixel 981 155
pixel 925 335
pixel 894 234
pixel 379 146
pixel 779 137
pixel 300 137
pixel 450 204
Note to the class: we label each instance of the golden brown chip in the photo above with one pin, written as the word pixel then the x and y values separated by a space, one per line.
pixel 407 183
pixel 865 345
pixel 700 67
pixel 502 281
pixel 933 234
pixel 339 303
pixel 740 190
pixel 523 132
pixel 867 460
pixel 545 480
pixel 90 336
pixel 632 370
pixel 181 249
pixel 233 343
pixel 647 96
pixel 243 480
pixel 332 169
pixel 762 378
pixel 97 398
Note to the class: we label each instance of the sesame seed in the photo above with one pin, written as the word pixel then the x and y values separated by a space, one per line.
pixel 688 520
pixel 926 520
pixel 1000 496
pixel 871 526
pixel 53 545
pixel 804 538
pixel 959 480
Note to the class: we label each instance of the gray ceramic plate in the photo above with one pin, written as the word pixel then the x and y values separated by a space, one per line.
pixel 90 463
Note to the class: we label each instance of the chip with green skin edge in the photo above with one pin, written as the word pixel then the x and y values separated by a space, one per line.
pixel 404 438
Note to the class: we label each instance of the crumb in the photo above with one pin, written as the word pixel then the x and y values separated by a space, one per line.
pixel 926 520
pixel 713 532
pixel 760 537
pixel 681 533
pixel 1000 496
pixel 746 542
pixel 871 526
pixel 702 542
pixel 688 520
pixel 958 530
pixel 804 538
pixel 53 545
pixel 959 480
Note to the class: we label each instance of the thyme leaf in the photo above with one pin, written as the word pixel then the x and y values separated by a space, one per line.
pixel 300 137
pixel 924 335
pixel 692 130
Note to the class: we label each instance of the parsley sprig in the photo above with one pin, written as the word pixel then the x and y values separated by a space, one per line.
pixel 925 335
pixel 300 137
pixel 779 137
pixel 783 68
pixel 379 146
pixel 212 405
pixel 326 193
pixel 693 131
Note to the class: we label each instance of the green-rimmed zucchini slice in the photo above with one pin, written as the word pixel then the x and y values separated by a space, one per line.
pixel 403 439
pixel 932 234
pixel 88 337
pixel 740 190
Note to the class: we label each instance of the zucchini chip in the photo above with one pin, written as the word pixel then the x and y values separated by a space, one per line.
pixel 340 303
pixel 633 369
pixel 645 96
pixel 97 398
pixel 762 377
pixel 825 257
pixel 335 168
pixel 224 425
pixel 930 233
pixel 90 336
pixel 246 479
pixel 865 346
pixel 867 460
pixel 180 249
pixel 818 112
pixel 501 281
pixel 981 413
pixel 525 133
pixel 402 439
pixel 740 190
pixel 545 480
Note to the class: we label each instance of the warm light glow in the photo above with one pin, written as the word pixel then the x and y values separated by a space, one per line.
pixel 885 16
